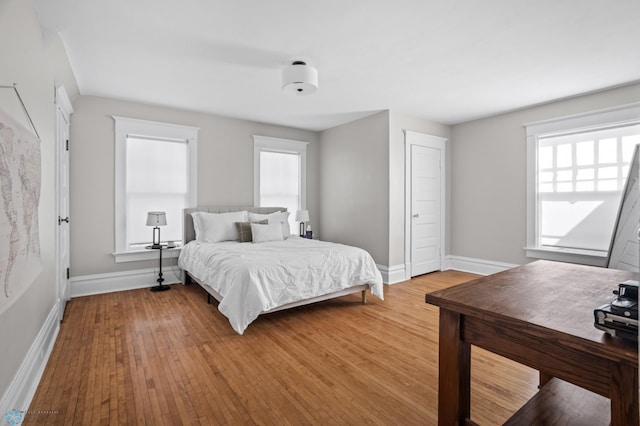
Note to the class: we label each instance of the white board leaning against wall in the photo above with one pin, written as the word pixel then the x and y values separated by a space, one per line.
pixel 624 252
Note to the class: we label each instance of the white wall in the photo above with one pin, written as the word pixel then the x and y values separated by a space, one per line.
pixel 488 177
pixel 36 67
pixel 225 172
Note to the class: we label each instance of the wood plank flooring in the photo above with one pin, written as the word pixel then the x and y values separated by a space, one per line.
pixel 169 358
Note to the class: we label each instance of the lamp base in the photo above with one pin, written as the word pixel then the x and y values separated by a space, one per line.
pixel 160 287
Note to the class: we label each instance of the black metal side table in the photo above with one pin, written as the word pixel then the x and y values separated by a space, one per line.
pixel 160 286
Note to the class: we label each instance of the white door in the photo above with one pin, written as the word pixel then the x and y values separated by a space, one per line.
pixel 425 209
pixel 63 114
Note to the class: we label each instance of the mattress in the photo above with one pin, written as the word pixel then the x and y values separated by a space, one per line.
pixel 253 278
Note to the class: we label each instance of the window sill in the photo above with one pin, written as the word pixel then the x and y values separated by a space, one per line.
pixel 139 255
pixel 583 257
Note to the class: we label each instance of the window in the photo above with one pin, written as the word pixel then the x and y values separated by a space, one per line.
pixel 577 169
pixel 280 174
pixel 155 171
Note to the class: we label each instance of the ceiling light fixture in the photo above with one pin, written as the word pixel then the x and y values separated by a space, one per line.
pixel 300 78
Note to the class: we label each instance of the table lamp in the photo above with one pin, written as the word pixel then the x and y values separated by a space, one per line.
pixel 156 219
pixel 302 216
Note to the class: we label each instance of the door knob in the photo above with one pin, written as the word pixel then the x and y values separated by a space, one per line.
pixel 60 220
pixel 416 215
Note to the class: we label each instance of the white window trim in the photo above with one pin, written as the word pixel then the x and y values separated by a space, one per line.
pixel 269 144
pixel 130 126
pixel 621 115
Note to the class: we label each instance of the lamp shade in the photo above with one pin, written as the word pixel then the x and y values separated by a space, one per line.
pixel 300 78
pixel 302 216
pixel 156 219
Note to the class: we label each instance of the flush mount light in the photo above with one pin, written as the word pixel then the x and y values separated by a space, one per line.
pixel 300 78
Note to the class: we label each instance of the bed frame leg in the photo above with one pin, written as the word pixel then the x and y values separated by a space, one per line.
pixel 364 297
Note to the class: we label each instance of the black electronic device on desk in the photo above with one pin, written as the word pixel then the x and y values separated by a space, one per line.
pixel 620 317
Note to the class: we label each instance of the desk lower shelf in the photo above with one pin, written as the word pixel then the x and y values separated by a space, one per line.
pixel 561 403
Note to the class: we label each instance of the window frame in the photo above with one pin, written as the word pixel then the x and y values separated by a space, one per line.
pixel 125 127
pixel 623 115
pixel 285 146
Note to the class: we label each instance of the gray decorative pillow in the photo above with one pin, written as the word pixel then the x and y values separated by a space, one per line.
pixel 244 230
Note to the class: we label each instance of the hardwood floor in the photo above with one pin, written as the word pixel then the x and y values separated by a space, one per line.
pixel 138 357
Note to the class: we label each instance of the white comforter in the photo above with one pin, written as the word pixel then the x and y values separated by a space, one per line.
pixel 254 278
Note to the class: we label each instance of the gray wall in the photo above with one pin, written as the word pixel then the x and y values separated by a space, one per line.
pixel 225 172
pixel 354 192
pixel 488 177
pixel 36 66
pixel 363 182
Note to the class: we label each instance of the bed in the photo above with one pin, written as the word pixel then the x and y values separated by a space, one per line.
pixel 267 275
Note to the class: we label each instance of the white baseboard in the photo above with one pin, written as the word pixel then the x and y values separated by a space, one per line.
pixel 477 266
pixel 397 273
pixel 87 285
pixel 142 278
pixel 392 274
pixel 20 392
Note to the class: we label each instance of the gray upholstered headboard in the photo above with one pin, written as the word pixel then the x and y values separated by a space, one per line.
pixel 189 234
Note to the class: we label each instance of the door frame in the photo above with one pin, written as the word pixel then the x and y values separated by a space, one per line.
pixel 436 142
pixel 62 105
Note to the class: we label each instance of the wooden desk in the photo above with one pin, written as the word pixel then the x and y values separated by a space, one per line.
pixel 540 315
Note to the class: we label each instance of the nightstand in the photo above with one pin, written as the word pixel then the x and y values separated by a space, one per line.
pixel 160 286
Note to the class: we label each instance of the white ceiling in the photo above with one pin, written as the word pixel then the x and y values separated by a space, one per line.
pixel 448 61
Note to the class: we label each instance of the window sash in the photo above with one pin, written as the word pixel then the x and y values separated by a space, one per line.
pixel 157 180
pixel 578 221
pixel 588 161
pixel 280 181
pixel 280 176
pixel 580 178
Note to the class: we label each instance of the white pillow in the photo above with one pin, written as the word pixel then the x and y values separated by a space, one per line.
pixel 277 217
pixel 254 217
pixel 216 227
pixel 269 232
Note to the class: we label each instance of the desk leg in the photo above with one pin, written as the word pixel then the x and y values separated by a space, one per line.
pixel 544 379
pixel 454 387
pixel 624 396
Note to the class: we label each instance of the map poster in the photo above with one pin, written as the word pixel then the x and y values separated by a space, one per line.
pixel 20 177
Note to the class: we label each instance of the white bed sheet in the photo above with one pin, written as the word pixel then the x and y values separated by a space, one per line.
pixel 255 278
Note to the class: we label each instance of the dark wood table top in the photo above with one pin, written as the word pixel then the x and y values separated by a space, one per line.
pixel 553 299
